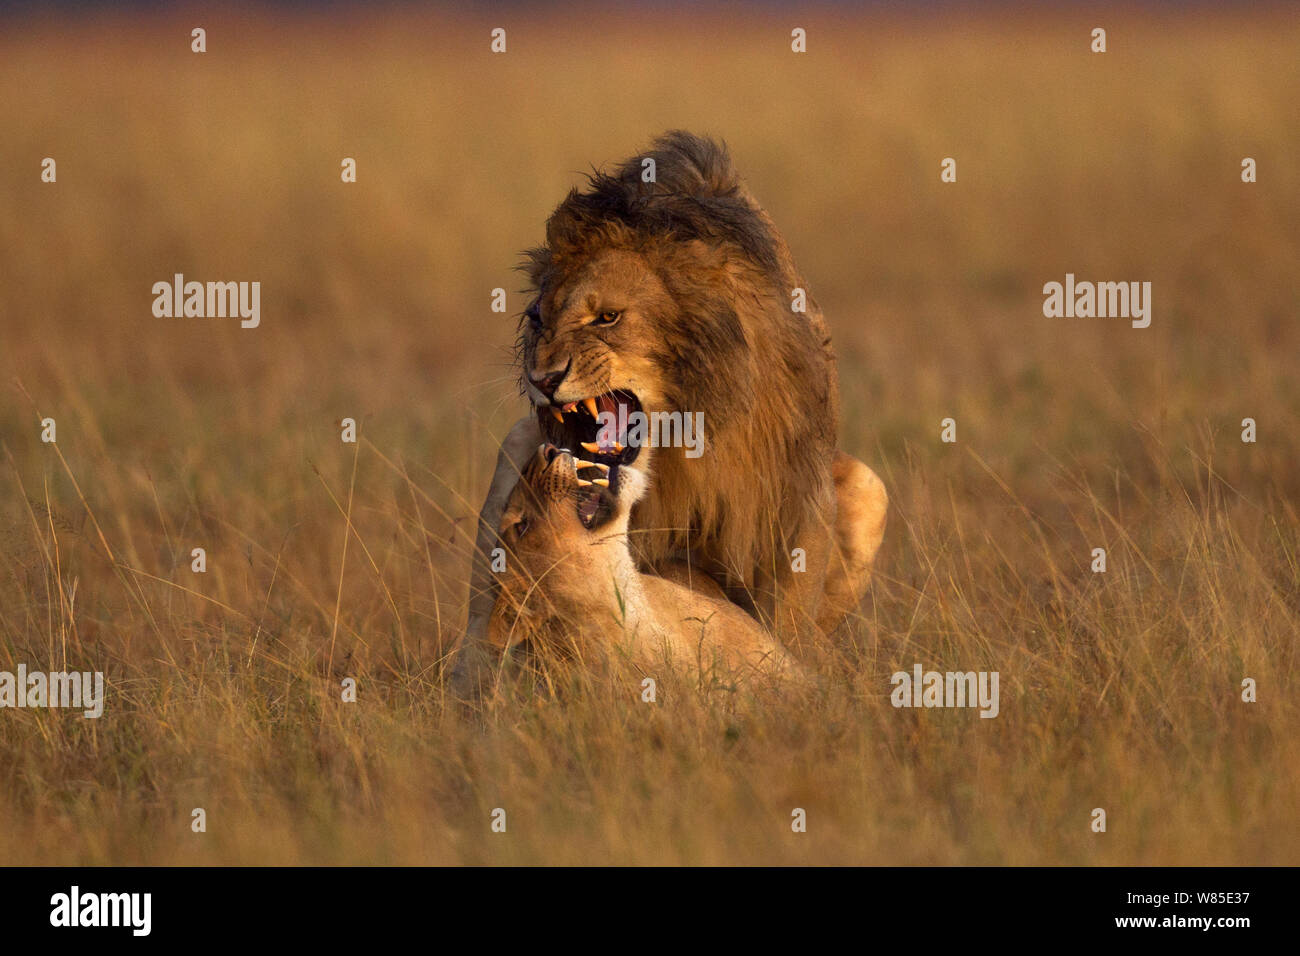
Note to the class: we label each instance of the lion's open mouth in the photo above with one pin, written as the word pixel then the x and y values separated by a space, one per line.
pixel 597 425
pixel 595 507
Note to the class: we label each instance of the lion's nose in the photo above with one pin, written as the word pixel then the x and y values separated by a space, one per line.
pixel 548 382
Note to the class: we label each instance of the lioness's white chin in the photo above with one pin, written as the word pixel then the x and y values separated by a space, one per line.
pixel 632 485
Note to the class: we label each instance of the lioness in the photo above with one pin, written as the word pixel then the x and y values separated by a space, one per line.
pixel 676 296
pixel 572 586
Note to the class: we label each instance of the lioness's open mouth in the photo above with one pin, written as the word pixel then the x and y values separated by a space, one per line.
pixel 596 502
pixel 598 425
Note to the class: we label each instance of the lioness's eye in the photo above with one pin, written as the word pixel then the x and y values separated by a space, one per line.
pixel 521 527
pixel 608 318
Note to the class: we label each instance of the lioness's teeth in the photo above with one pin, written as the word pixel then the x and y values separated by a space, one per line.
pixel 603 482
pixel 584 484
pixel 571 407
pixel 558 417
pixel 618 448
pixel 590 404
pixel 591 464
pixel 591 446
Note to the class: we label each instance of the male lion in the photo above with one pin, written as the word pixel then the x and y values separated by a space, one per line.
pixel 676 295
pixel 573 590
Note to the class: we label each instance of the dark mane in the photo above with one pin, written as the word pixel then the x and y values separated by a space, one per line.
pixel 697 195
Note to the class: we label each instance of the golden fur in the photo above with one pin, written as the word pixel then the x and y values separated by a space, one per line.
pixel 704 284
pixel 679 293
pixel 574 591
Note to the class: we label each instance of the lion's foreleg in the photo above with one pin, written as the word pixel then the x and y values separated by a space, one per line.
pixel 473 657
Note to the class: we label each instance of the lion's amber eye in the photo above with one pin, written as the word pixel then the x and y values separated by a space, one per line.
pixel 608 318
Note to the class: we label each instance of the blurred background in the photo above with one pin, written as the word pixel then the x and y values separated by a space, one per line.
pixel 375 304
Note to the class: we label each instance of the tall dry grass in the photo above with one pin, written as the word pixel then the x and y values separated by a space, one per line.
pixel 329 560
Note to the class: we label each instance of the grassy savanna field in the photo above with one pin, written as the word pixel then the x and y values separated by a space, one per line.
pixel 1118 690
